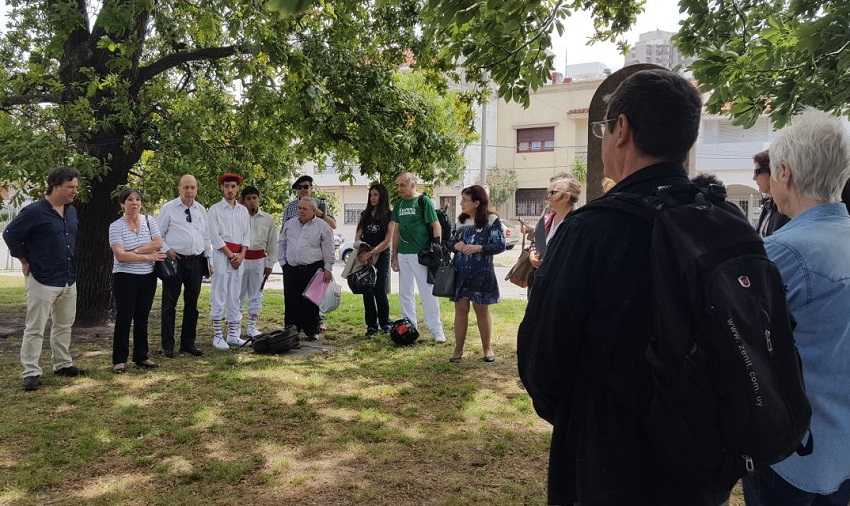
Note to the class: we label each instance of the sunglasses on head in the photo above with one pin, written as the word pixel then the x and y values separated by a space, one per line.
pixel 761 170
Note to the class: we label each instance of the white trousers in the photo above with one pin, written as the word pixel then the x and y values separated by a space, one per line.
pixel 252 280
pixel 409 270
pixel 58 303
pixel 225 287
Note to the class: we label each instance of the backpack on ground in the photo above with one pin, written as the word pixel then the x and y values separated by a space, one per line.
pixel 403 332
pixel 276 342
pixel 727 386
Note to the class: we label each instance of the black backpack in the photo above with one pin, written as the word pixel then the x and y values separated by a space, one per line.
pixel 363 280
pixel 403 332
pixel 443 218
pixel 276 342
pixel 727 386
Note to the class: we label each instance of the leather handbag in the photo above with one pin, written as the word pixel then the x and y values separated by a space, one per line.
pixel 522 269
pixel 167 268
pixel 444 281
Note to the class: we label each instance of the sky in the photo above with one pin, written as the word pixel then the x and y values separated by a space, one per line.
pixel 658 15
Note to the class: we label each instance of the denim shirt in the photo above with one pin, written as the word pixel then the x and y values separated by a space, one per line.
pixel 47 240
pixel 812 253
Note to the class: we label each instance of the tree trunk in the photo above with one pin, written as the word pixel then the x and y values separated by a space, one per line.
pixel 94 256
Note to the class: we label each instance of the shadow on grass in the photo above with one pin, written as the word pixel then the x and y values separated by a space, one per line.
pixel 368 423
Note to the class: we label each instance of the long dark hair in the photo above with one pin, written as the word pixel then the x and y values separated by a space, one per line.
pixel 382 210
pixel 478 194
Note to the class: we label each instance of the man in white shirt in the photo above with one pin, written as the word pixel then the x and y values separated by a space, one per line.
pixel 230 236
pixel 305 246
pixel 259 259
pixel 183 224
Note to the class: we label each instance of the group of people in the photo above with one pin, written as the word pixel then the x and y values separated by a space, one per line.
pixel 393 238
pixel 582 343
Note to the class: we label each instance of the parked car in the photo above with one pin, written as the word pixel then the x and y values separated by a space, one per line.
pixel 338 239
pixel 512 234
pixel 345 249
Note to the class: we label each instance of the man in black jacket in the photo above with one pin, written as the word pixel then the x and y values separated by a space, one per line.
pixel 770 219
pixel 581 344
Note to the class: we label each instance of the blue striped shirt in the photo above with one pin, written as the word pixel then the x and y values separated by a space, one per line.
pixel 120 233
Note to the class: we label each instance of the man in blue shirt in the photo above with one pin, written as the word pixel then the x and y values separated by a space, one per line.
pixel 43 237
pixel 809 163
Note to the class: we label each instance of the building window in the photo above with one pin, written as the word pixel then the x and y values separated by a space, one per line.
pixel 352 213
pixel 535 139
pixel 530 201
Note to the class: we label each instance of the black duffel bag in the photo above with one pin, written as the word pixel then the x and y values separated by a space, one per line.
pixel 276 342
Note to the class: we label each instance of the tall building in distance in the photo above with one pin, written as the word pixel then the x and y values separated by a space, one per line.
pixel 657 47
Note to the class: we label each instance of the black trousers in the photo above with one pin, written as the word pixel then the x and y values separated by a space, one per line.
pixel 133 300
pixel 375 304
pixel 189 273
pixel 299 311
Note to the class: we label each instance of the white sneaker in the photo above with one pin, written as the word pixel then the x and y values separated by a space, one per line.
pixel 220 344
pixel 235 341
pixel 440 339
pixel 253 332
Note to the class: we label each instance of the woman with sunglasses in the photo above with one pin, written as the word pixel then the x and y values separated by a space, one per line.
pixel 479 235
pixel 563 194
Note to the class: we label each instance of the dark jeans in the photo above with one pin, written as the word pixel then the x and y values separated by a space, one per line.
pixel 299 311
pixel 189 274
pixel 375 304
pixel 766 488
pixel 133 300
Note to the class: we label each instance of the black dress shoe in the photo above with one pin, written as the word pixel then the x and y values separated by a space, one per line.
pixel 70 371
pixel 167 353
pixel 195 352
pixel 30 383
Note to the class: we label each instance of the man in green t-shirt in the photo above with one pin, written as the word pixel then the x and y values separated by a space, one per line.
pixel 410 235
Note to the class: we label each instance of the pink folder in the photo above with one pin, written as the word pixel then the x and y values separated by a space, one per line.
pixel 317 287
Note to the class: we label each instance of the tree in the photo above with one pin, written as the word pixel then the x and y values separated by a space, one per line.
pixel 502 184
pixel 140 92
pixel 766 57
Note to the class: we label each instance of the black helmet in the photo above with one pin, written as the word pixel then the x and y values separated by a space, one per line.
pixel 363 280
pixel 403 332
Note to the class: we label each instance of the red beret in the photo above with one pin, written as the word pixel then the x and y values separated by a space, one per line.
pixel 224 177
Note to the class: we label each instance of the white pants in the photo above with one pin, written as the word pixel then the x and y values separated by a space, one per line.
pixel 252 280
pixel 58 303
pixel 225 286
pixel 408 270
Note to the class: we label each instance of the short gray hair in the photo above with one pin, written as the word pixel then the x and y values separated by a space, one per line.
pixel 817 149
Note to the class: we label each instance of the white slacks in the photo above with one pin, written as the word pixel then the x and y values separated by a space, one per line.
pixel 252 280
pixel 409 270
pixel 225 287
pixel 58 303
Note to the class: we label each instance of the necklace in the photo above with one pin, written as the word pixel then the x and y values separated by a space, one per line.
pixel 134 227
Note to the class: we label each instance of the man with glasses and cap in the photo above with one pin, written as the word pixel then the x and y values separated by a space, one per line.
pixel 183 224
pixel 770 219
pixel 304 187
pixel 229 227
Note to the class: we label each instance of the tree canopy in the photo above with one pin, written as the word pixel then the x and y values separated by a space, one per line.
pixel 769 56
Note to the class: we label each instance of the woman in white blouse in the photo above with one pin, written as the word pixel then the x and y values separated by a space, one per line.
pixel 135 240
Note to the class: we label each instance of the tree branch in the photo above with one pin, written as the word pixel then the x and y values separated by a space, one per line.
pixel 170 61
pixel 43 98
pixel 539 34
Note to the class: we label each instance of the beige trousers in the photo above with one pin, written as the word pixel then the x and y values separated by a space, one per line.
pixel 43 302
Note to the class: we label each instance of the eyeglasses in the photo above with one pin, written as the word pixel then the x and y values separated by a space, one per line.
pixel 188 216
pixel 303 187
pixel 761 170
pixel 466 201
pixel 599 127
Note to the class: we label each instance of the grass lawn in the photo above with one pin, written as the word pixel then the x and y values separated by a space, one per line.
pixel 368 423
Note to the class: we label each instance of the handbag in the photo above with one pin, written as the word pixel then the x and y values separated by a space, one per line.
pixel 167 268
pixel 363 280
pixel 522 269
pixel 444 281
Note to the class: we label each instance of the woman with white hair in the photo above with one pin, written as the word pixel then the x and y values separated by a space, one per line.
pixel 562 195
pixel 809 165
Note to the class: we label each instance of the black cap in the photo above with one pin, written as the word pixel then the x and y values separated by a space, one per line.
pixel 301 180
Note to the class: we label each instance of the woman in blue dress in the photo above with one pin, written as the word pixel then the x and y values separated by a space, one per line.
pixel 479 236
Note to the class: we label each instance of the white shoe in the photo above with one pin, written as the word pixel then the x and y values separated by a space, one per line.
pixel 253 332
pixel 235 341
pixel 440 339
pixel 220 344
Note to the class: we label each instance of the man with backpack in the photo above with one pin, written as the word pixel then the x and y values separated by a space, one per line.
pixel 582 343
pixel 416 227
pixel 810 161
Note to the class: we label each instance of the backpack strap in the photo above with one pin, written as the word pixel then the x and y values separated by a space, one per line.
pixel 643 207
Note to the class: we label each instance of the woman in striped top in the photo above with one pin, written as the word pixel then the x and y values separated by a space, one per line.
pixel 135 240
